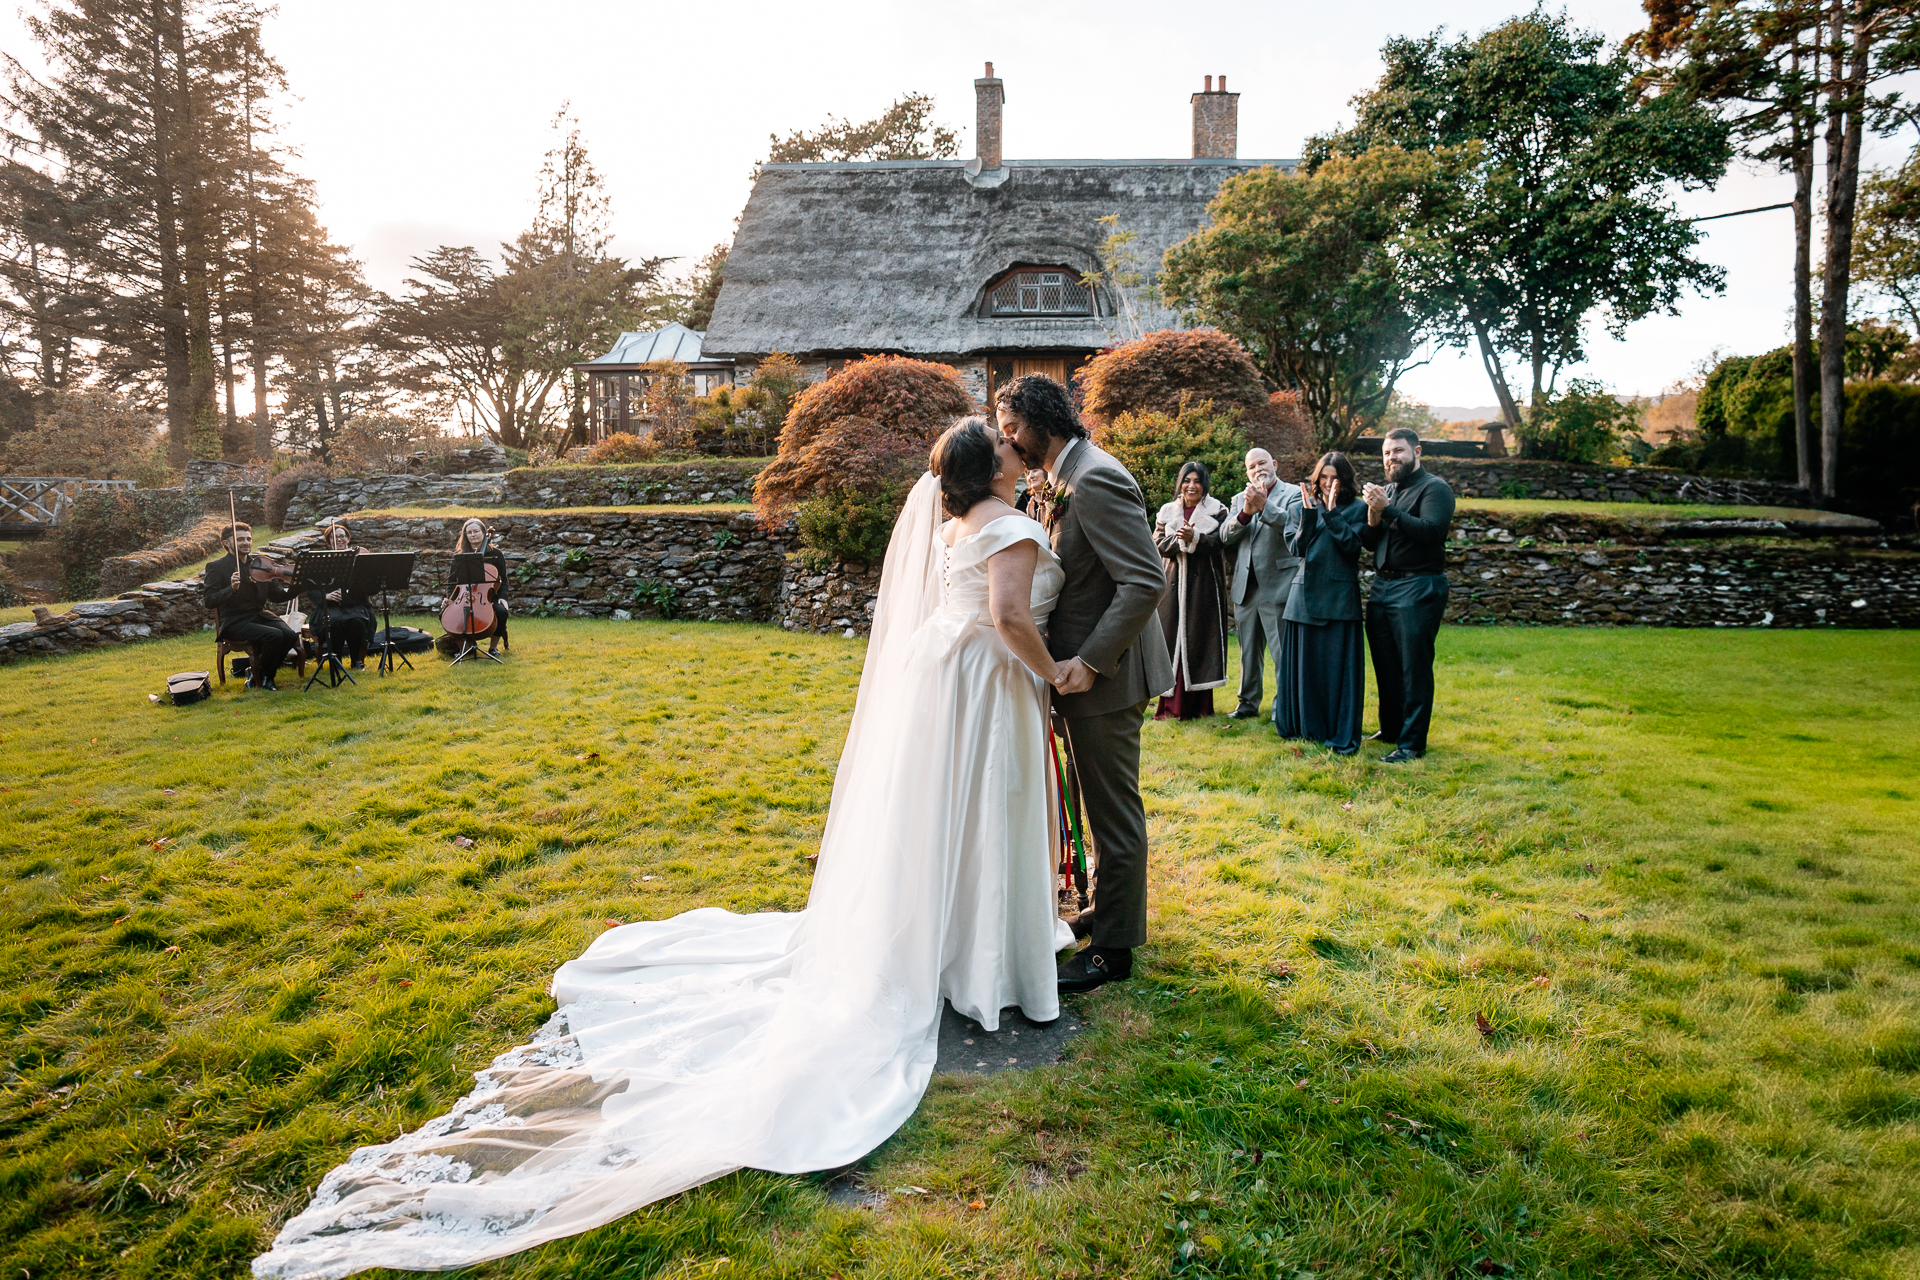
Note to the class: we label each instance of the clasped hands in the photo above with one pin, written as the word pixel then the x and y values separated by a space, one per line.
pixel 1073 676
pixel 1376 500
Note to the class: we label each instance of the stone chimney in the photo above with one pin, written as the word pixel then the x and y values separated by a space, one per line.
pixel 1216 122
pixel 989 93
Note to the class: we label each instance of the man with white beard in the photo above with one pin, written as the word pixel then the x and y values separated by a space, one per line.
pixel 1258 522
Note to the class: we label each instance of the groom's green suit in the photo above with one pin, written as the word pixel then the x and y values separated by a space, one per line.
pixel 1099 527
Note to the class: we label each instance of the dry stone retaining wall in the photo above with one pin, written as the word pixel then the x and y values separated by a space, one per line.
pixel 635 485
pixel 721 566
pixel 838 597
pixel 330 496
pixel 124 573
pixel 1515 478
pixel 157 609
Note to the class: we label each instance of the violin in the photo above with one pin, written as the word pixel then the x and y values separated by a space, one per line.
pixel 262 568
pixel 469 610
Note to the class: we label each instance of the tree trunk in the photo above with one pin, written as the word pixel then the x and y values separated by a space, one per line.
pixel 1845 110
pixel 1807 447
pixel 233 445
pixel 173 310
pixel 262 422
pixel 1496 375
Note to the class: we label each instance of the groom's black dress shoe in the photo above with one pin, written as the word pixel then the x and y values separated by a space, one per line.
pixel 1243 713
pixel 1400 755
pixel 1096 967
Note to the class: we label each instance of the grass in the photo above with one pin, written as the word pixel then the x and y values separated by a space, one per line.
pixel 1648 510
pixel 262 534
pixel 1672 871
pixel 491 513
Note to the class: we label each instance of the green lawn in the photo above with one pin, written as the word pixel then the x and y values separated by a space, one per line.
pixel 1653 510
pixel 1623 980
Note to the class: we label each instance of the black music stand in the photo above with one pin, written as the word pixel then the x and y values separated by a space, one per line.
pixel 470 570
pixel 384 572
pixel 319 572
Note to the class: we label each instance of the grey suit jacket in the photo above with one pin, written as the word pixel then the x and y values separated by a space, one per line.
pixel 1262 546
pixel 1100 531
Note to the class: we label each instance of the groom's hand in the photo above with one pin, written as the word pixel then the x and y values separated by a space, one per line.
pixel 1075 676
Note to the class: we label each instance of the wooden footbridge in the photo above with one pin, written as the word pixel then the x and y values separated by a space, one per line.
pixel 34 504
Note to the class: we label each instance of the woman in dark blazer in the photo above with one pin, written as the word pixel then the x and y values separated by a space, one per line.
pixel 1322 654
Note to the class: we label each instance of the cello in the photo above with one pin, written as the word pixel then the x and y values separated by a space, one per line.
pixel 469 610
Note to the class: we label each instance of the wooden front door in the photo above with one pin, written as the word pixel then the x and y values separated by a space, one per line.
pixel 1006 368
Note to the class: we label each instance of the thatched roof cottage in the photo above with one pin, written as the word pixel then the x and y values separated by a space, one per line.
pixel 977 263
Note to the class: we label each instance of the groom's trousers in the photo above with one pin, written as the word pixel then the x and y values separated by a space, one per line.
pixel 1106 751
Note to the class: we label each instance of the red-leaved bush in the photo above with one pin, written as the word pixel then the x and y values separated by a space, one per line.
pixel 863 430
pixel 1156 373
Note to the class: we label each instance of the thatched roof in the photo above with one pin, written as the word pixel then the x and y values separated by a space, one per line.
pixel 895 255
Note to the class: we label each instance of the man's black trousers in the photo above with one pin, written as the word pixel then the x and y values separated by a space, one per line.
pixel 1403 617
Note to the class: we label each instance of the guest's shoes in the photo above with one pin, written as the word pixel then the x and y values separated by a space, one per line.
pixel 359 664
pixel 270 686
pixel 1401 755
pixel 1243 712
pixel 1095 967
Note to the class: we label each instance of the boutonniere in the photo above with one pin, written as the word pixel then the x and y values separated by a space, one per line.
pixel 1053 498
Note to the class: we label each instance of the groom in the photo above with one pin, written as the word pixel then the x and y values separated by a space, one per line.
pixel 1113 661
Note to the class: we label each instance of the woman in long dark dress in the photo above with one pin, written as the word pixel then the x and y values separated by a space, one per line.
pixel 1322 654
pixel 473 536
pixel 348 617
pixel 1194 610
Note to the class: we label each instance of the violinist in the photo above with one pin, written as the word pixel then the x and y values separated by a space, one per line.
pixel 240 588
pixel 473 537
pixel 343 619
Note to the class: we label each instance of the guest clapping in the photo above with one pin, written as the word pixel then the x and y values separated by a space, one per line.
pixel 1193 613
pixel 1323 665
pixel 1258 521
pixel 1406 529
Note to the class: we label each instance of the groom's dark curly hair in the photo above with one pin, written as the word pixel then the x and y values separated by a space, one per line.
pixel 1044 403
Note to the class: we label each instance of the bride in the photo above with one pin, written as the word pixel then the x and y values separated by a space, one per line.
pixel 685 1049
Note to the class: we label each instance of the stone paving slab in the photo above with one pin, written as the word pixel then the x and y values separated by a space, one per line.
pixel 1018 1045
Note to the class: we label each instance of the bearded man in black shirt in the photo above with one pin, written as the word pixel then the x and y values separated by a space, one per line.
pixel 1407 522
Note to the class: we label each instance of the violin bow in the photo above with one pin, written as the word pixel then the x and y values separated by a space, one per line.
pixel 233 513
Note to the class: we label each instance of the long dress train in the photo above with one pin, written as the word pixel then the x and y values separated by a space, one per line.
pixel 685 1049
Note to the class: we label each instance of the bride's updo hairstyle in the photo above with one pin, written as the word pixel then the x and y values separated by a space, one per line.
pixel 965 459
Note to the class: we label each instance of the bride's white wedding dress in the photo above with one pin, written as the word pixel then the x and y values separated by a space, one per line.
pixel 685 1049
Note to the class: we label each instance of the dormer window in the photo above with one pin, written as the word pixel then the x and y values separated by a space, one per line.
pixel 1037 291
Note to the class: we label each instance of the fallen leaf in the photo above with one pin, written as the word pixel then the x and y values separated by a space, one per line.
pixel 359 895
pixel 1482 1025
pixel 1543 981
pixel 1582 916
pixel 1590 869
pixel 93 742
pixel 404 982
pixel 1348 806
pixel 1299 1084
pixel 591 755
pixel 171 951
pixel 463 842
pixel 168 791
pixel 910 1191
pixel 612 923
pixel 976 1204
pixel 154 697
pixel 1299 751
pixel 649 877
pixel 123 919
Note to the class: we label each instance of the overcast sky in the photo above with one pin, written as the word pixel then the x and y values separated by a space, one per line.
pixel 423 121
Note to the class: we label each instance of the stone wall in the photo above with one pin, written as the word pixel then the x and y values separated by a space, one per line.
pixel 1723 584
pixel 320 499
pixel 157 609
pixel 838 597
pixel 1513 478
pixel 720 566
pixel 202 541
pixel 633 485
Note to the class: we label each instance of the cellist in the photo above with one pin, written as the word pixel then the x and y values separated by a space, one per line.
pixel 241 603
pixel 473 536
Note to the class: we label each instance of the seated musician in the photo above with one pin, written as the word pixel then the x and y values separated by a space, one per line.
pixel 473 535
pixel 242 607
pixel 345 618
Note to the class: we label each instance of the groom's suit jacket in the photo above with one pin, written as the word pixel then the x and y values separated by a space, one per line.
pixel 1100 530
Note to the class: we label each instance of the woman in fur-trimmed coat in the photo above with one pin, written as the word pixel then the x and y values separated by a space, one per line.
pixel 1194 610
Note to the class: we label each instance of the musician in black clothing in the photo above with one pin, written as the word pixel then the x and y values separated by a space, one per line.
pixel 342 618
pixel 473 536
pixel 1406 529
pixel 242 606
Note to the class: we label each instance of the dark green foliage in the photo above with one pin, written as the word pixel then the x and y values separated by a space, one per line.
pixel 852 524
pixel 282 488
pixel 1584 423
pixel 1154 446
pixel 101 525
